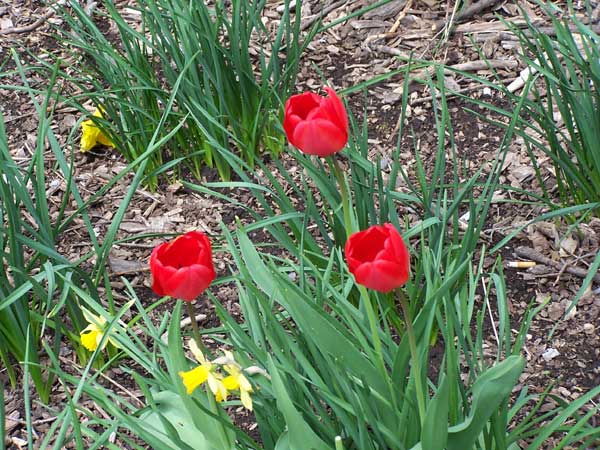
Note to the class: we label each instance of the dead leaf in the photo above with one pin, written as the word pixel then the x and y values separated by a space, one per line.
pixel 132 227
pixel 5 24
pixel 118 265
pixel 538 241
pixel 568 246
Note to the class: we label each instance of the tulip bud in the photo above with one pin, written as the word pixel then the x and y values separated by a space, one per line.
pixel 316 125
pixel 378 258
pixel 182 268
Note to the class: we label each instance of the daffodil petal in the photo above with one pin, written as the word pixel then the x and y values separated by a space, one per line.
pixel 194 378
pixel 231 383
pixel 104 140
pixel 91 135
pixel 246 400
pixel 222 392
pixel 244 383
pixel 216 385
pixel 196 352
pixel 90 337
pixel 114 342
pixel 90 317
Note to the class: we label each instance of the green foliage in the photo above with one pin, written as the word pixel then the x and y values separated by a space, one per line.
pixel 559 118
pixel 35 301
pixel 435 193
pixel 565 106
pixel 224 95
pixel 560 100
pixel 340 368
pixel 40 289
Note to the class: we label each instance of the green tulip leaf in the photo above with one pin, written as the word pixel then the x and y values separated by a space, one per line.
pixel 325 331
pixel 283 443
pixel 434 434
pixel 489 391
pixel 173 424
pixel 214 429
pixel 299 434
pixel 261 275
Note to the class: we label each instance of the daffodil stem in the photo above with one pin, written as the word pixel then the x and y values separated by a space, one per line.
pixel 346 205
pixel 416 364
pixel 195 330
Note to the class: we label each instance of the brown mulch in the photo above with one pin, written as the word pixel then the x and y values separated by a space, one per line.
pixel 349 53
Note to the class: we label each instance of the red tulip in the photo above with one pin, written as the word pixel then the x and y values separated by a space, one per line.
pixel 316 125
pixel 378 258
pixel 182 268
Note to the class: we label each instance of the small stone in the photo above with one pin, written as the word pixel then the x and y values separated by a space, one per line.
pixel 588 328
pixel 550 354
pixel 564 392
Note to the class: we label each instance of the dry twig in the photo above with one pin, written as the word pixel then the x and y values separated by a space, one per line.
pixel 467 13
pixel 534 255
pixel 450 94
pixel 32 26
pixel 306 23
pixel 401 16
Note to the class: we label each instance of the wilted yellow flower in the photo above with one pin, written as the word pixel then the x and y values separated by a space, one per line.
pixel 91 336
pixel 205 372
pixel 91 135
pixel 221 387
pixel 236 380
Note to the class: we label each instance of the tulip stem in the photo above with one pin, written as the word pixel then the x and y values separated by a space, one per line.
pixel 346 205
pixel 416 364
pixel 195 330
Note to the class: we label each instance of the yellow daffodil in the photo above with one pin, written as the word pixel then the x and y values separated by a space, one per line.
pixel 204 373
pixel 237 381
pixel 91 336
pixel 91 135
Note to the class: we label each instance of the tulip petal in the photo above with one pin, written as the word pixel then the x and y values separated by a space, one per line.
pixel 366 245
pixel 185 250
pixel 335 108
pixel 393 274
pixel 396 245
pixel 316 125
pixel 290 122
pixel 188 283
pixel 157 287
pixel 319 137
pixel 301 105
pixel 159 271
pixel 381 276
